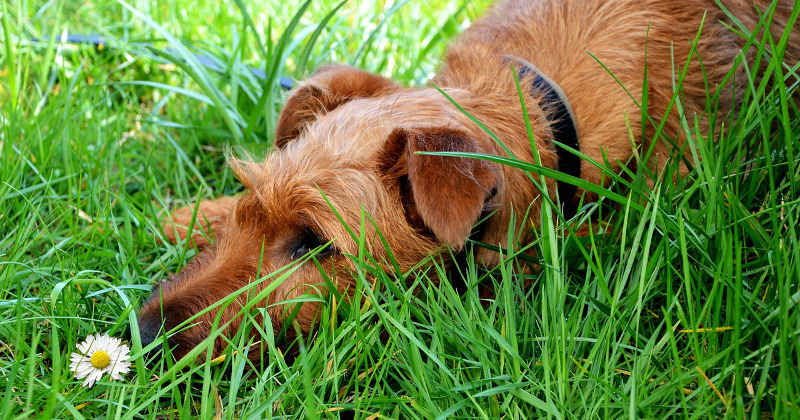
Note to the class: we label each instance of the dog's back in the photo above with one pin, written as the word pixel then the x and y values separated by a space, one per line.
pixel 572 40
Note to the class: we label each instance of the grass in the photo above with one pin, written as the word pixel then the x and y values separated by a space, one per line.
pixel 683 305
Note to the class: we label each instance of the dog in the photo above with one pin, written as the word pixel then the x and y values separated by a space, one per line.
pixel 347 144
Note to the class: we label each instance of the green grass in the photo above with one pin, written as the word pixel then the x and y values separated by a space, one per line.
pixel 683 305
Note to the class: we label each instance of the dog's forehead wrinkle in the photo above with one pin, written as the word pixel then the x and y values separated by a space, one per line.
pixel 356 131
pixel 385 113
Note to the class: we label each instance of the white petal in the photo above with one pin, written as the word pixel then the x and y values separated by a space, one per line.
pixel 83 372
pixel 99 343
pixel 123 350
pixel 120 358
pixel 97 374
pixel 114 353
pixel 116 341
pixel 76 360
pixel 86 370
pixel 92 378
pixel 122 367
pixel 89 344
pixel 83 347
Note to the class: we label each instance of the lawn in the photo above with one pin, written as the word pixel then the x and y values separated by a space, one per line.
pixel 681 304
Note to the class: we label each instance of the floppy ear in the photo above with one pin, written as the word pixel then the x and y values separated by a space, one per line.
pixel 446 194
pixel 208 221
pixel 329 87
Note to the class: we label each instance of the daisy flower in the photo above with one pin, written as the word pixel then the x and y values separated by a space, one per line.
pixel 96 356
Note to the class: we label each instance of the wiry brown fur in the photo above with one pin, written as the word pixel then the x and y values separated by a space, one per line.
pixel 355 137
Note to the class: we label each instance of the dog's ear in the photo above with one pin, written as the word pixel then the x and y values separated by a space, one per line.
pixel 330 86
pixel 445 194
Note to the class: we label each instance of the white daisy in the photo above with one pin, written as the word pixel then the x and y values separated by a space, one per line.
pixel 96 356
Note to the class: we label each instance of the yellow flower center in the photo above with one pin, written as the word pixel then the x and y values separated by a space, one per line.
pixel 100 359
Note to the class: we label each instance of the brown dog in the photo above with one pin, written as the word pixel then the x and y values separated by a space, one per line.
pixel 353 136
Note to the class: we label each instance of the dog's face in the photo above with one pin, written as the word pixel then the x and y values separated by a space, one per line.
pixel 350 139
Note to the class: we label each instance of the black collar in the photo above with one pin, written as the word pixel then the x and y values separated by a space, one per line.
pixel 565 132
pixel 562 124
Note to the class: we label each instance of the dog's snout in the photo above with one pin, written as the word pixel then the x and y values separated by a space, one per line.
pixel 150 329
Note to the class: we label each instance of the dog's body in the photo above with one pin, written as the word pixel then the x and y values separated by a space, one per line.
pixel 354 136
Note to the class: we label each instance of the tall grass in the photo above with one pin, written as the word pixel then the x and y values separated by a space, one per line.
pixel 680 304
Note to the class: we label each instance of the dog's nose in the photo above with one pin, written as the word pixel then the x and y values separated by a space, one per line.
pixel 149 331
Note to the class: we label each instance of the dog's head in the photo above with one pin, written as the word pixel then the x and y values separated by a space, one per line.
pixel 347 147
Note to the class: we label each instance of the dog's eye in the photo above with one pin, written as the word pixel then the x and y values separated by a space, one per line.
pixel 308 243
